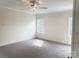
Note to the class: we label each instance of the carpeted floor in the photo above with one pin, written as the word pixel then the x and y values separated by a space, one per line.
pixel 35 48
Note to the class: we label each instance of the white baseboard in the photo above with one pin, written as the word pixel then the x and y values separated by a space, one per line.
pixel 52 41
pixel 16 41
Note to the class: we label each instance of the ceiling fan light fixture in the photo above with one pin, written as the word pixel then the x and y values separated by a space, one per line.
pixel 34 4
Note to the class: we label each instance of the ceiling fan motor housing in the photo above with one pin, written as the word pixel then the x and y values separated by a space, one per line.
pixel 34 3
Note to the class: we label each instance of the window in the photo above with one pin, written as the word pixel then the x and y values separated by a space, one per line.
pixel 40 26
pixel 69 27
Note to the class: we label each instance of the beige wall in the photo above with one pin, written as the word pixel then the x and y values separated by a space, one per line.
pixel 55 26
pixel 15 26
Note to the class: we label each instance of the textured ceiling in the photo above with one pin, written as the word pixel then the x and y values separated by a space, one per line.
pixel 53 5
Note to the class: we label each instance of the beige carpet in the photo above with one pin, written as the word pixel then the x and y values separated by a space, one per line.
pixel 35 48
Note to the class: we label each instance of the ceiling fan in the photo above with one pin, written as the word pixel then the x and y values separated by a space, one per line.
pixel 34 4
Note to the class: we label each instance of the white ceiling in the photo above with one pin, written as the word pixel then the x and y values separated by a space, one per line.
pixel 53 5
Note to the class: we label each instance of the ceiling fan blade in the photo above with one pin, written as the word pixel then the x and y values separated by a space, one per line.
pixel 43 7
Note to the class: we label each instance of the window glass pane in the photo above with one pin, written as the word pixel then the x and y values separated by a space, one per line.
pixel 40 26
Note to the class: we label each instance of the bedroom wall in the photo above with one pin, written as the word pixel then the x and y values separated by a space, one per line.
pixel 55 26
pixel 15 26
